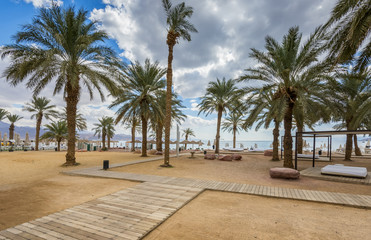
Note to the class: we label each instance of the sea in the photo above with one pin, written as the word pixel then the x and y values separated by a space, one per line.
pixel 321 142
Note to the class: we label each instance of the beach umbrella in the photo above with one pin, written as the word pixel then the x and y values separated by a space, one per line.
pixel 241 145
pixel 321 146
pixel 17 139
pixel 340 147
pixel 305 143
pixel 208 143
pixel 200 143
pixel 255 145
pixel 227 145
pixel 5 138
pixel 214 142
pixel 368 144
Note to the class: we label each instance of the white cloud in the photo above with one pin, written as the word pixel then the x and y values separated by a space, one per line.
pixel 44 3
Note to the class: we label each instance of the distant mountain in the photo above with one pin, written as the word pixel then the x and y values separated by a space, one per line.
pixel 4 128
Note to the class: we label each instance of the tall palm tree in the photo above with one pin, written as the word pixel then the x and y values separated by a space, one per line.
pixel 40 108
pixel 140 86
pixel 158 120
pixel 81 123
pixel 220 96
pixel 110 130
pixel 63 46
pixel 187 132
pixel 290 69
pixel 350 100
pixel 12 118
pixel 101 129
pixel 349 27
pixel 3 114
pixel 57 131
pixel 178 27
pixel 233 123
pixel 265 109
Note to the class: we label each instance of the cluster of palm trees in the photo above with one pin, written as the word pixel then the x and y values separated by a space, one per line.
pixel 41 108
pixel 64 47
pixel 295 87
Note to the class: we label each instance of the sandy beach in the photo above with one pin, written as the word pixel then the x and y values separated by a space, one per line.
pixel 32 186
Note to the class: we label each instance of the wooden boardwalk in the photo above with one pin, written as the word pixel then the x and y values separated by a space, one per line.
pixel 134 212
pixel 127 214
pixel 316 173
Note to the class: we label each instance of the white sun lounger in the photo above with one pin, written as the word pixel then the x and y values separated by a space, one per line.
pixel 341 170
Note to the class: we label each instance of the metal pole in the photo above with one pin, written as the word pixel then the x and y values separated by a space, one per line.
pixel 314 148
pixel 281 145
pixel 296 151
pixel 177 140
pixel 330 147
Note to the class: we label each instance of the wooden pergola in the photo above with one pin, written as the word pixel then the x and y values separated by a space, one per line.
pixel 316 134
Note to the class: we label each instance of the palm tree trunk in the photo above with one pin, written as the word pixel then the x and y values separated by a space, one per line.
pixel 59 146
pixel 186 138
pixel 71 99
pixel 108 141
pixel 103 141
pixel 276 134
pixel 133 138
pixel 144 136
pixel 348 148
pixel 234 137
pixel 169 82
pixel 11 131
pixel 300 137
pixel 159 137
pixel 38 126
pixel 220 113
pixel 356 148
pixel 288 138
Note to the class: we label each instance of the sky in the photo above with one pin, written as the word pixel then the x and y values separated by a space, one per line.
pixel 227 30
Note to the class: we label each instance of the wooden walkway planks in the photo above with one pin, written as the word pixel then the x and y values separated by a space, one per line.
pixel 127 214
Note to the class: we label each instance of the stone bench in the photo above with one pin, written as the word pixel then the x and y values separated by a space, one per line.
pixel 286 173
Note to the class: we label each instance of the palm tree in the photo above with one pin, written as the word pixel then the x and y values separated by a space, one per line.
pixel 3 114
pixel 233 123
pixel 350 100
pixel 188 132
pixel 158 120
pixel 57 131
pixel 140 87
pixel 12 118
pixel 41 108
pixel 101 129
pixel 349 27
pixel 265 109
pixel 220 96
pixel 178 27
pixel 290 70
pixel 81 124
pixel 110 130
pixel 62 45
pixel 132 122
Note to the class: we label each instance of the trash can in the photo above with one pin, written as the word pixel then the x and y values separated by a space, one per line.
pixel 205 152
pixel 95 148
pixel 105 164
pixel 320 152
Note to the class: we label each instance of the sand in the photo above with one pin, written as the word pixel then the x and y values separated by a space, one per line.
pixel 31 186
pixel 218 215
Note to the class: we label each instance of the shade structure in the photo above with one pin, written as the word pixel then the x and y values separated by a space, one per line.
pixel 172 142
pixel 17 139
pixel 368 144
pixel 305 143
pixel 200 143
pixel 185 142
pixel 136 141
pixel 151 141
pixel 209 143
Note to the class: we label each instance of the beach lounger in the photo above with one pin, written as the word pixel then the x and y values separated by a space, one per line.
pixel 341 170
pixel 307 156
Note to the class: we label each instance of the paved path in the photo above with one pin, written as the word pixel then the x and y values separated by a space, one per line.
pixel 134 212
pixel 316 173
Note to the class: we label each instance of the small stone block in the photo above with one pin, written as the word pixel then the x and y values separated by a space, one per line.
pixel 286 173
